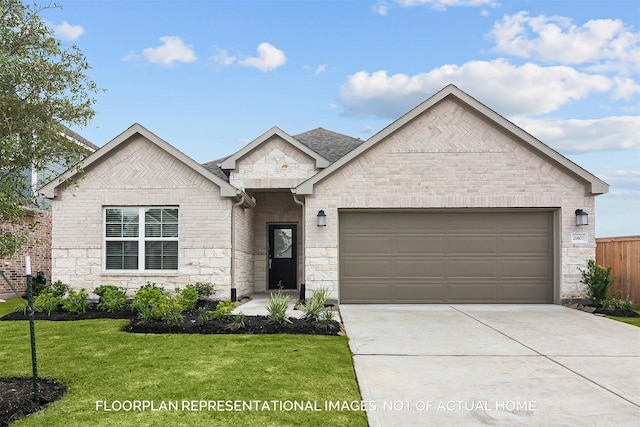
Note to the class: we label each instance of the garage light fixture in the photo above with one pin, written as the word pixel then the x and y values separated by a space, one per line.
pixel 322 219
pixel 582 218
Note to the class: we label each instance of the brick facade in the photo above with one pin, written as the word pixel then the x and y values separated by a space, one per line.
pixel 448 157
pixel 38 247
pixel 141 174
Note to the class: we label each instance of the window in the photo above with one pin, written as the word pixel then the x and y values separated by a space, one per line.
pixel 138 238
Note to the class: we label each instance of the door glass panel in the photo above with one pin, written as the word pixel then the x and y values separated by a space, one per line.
pixel 282 241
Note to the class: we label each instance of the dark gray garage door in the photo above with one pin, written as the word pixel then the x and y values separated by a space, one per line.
pixel 446 257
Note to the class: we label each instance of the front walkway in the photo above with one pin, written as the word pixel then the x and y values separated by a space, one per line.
pixel 257 305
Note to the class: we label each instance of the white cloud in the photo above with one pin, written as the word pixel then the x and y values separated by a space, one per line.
pixel 66 31
pixel 581 136
pixel 381 8
pixel 321 69
pixel 605 44
pixel 269 58
pixel 172 50
pixel 511 90
pixel 222 57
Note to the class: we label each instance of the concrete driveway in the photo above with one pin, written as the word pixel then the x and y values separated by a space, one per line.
pixel 497 365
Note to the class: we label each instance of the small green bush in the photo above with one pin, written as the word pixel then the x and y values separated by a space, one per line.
pixel 598 281
pixel 187 297
pixel 76 302
pixel 112 299
pixel 102 289
pixel 315 305
pixel 325 317
pixel 204 289
pixel 46 302
pixel 59 289
pixel 277 308
pixel 154 303
pixel 223 309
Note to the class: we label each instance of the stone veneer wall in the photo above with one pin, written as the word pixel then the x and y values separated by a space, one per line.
pixel 449 158
pixel 274 164
pixel 141 174
pixel 37 247
pixel 244 251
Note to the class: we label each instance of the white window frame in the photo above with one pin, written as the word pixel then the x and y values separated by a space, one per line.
pixel 141 239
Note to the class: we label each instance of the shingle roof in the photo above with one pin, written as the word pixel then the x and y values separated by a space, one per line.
pixel 330 145
pixel 213 167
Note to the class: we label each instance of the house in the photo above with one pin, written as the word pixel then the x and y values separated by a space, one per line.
pixel 37 225
pixel 451 203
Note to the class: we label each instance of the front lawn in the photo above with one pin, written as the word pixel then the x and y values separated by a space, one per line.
pixel 104 367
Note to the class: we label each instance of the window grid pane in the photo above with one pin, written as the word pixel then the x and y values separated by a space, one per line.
pixel 123 237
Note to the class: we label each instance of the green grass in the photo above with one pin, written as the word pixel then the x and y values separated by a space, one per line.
pixel 635 321
pixel 97 362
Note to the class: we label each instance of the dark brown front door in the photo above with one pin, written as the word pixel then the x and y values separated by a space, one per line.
pixel 283 256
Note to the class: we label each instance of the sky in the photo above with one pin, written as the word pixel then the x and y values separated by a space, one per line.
pixel 211 76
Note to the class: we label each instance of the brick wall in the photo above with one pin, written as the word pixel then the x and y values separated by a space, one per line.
pixel 141 174
pixel 38 247
pixel 448 158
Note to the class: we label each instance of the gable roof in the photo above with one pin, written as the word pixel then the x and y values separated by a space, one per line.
pixel 230 162
pixel 226 189
pixel 330 145
pixel 596 185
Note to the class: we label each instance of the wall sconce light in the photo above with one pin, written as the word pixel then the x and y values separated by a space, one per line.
pixel 322 219
pixel 582 218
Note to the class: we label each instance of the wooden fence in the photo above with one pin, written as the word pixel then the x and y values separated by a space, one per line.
pixel 623 255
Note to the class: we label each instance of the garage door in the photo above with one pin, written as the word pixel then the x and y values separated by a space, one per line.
pixel 446 257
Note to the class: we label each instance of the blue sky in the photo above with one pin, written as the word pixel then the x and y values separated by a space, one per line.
pixel 210 76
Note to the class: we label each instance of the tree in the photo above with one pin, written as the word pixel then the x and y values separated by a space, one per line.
pixel 43 88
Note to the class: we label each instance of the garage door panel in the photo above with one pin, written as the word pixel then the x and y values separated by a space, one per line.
pixel 419 269
pixel 416 245
pixel 447 257
pixel 535 245
pixel 472 268
pixel 525 292
pixel 525 267
pixel 369 245
pixel 359 268
pixel 407 292
pixel 471 245
pixel 466 292
pixel 367 292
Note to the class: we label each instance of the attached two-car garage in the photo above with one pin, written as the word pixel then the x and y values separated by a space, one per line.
pixel 455 256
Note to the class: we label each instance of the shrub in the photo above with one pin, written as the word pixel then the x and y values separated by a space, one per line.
pixel 204 289
pixel 315 305
pixel 598 281
pixel 112 299
pixel 187 297
pixel 277 308
pixel 102 289
pixel 76 302
pixel 46 302
pixel 223 309
pixel 59 289
pixel 325 317
pixel 154 303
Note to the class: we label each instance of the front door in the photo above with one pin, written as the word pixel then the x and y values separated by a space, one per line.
pixel 283 256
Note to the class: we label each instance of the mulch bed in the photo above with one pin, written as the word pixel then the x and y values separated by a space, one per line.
pixel 16 394
pixel 17 401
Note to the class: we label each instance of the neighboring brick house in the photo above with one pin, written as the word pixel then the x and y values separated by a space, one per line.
pixel 451 203
pixel 38 225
